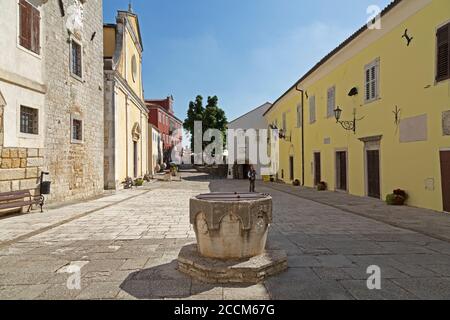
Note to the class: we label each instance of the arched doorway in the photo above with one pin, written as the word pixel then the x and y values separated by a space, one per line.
pixel 136 135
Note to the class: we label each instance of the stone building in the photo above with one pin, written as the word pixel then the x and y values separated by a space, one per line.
pixel 51 105
pixel 74 102
pixel 126 115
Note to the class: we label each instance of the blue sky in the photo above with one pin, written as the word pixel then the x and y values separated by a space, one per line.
pixel 246 52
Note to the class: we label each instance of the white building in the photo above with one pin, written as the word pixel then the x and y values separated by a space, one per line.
pixel 251 120
pixel 155 149
pixel 22 77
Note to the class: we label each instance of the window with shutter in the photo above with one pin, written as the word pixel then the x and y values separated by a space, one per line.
pixel 312 109
pixel 35 31
pixel 443 53
pixel 284 122
pixel 331 101
pixel 29 26
pixel 371 79
pixel 299 115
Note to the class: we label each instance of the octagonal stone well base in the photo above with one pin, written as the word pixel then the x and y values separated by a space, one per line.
pixel 251 271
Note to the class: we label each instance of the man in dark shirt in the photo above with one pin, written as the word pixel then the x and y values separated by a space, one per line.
pixel 252 178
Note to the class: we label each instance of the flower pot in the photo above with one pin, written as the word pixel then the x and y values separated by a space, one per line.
pixel 321 186
pixel 395 200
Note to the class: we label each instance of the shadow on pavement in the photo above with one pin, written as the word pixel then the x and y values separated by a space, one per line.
pixel 165 281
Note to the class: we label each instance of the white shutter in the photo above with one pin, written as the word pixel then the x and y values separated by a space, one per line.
pixel 299 116
pixel 312 109
pixel 331 101
pixel 372 79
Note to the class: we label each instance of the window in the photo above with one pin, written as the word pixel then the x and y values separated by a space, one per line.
pixel 29 120
pixel 29 27
pixel 299 116
pixel 77 130
pixel 284 122
pixel 331 101
pixel 371 78
pixel 159 117
pixel 76 61
pixel 134 68
pixel 312 109
pixel 443 53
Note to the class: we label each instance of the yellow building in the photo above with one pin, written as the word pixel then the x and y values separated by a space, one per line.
pixel 399 90
pixel 126 116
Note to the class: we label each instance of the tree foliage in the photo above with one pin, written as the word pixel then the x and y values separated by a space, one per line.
pixel 212 117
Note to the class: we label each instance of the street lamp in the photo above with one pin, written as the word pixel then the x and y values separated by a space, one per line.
pixel 347 125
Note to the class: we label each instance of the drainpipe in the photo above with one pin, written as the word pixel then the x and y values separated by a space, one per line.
pixel 303 133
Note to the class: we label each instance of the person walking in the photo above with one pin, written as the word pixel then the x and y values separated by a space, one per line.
pixel 252 178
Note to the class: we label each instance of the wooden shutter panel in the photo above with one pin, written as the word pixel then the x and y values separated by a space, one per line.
pixel 35 32
pixel 25 24
pixel 443 53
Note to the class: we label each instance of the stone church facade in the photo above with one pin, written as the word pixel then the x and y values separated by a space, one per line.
pixel 51 97
pixel 126 115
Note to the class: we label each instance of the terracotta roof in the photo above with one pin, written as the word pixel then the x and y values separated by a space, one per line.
pixel 391 6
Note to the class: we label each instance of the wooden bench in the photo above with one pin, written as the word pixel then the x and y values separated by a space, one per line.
pixel 19 199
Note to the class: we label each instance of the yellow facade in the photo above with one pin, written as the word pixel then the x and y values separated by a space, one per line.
pixel 126 152
pixel 406 79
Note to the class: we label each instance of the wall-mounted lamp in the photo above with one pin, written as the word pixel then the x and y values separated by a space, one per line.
pixel 347 125
pixel 281 133
pixel 284 136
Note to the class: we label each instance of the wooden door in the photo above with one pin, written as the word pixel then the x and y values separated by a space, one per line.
pixel 291 168
pixel 135 158
pixel 341 170
pixel 373 173
pixel 317 169
pixel 445 178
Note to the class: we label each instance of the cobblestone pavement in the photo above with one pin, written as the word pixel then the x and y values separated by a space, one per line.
pixel 126 246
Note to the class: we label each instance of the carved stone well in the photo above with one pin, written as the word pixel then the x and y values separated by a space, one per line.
pixel 231 231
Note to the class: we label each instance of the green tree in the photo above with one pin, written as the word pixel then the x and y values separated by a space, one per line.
pixel 195 113
pixel 212 117
pixel 215 118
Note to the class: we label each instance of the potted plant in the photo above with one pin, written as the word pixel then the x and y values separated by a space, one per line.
pixel 128 183
pixel 397 198
pixel 322 186
pixel 296 183
pixel 139 182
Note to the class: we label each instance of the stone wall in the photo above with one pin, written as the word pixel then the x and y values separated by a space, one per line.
pixel 20 168
pixel 76 169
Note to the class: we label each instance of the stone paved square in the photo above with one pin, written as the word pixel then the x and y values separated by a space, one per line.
pixel 127 245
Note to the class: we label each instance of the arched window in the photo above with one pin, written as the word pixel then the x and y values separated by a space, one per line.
pixel 134 68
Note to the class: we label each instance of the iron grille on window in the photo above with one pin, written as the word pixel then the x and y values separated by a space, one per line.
pixel 76 66
pixel 77 130
pixel 29 120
